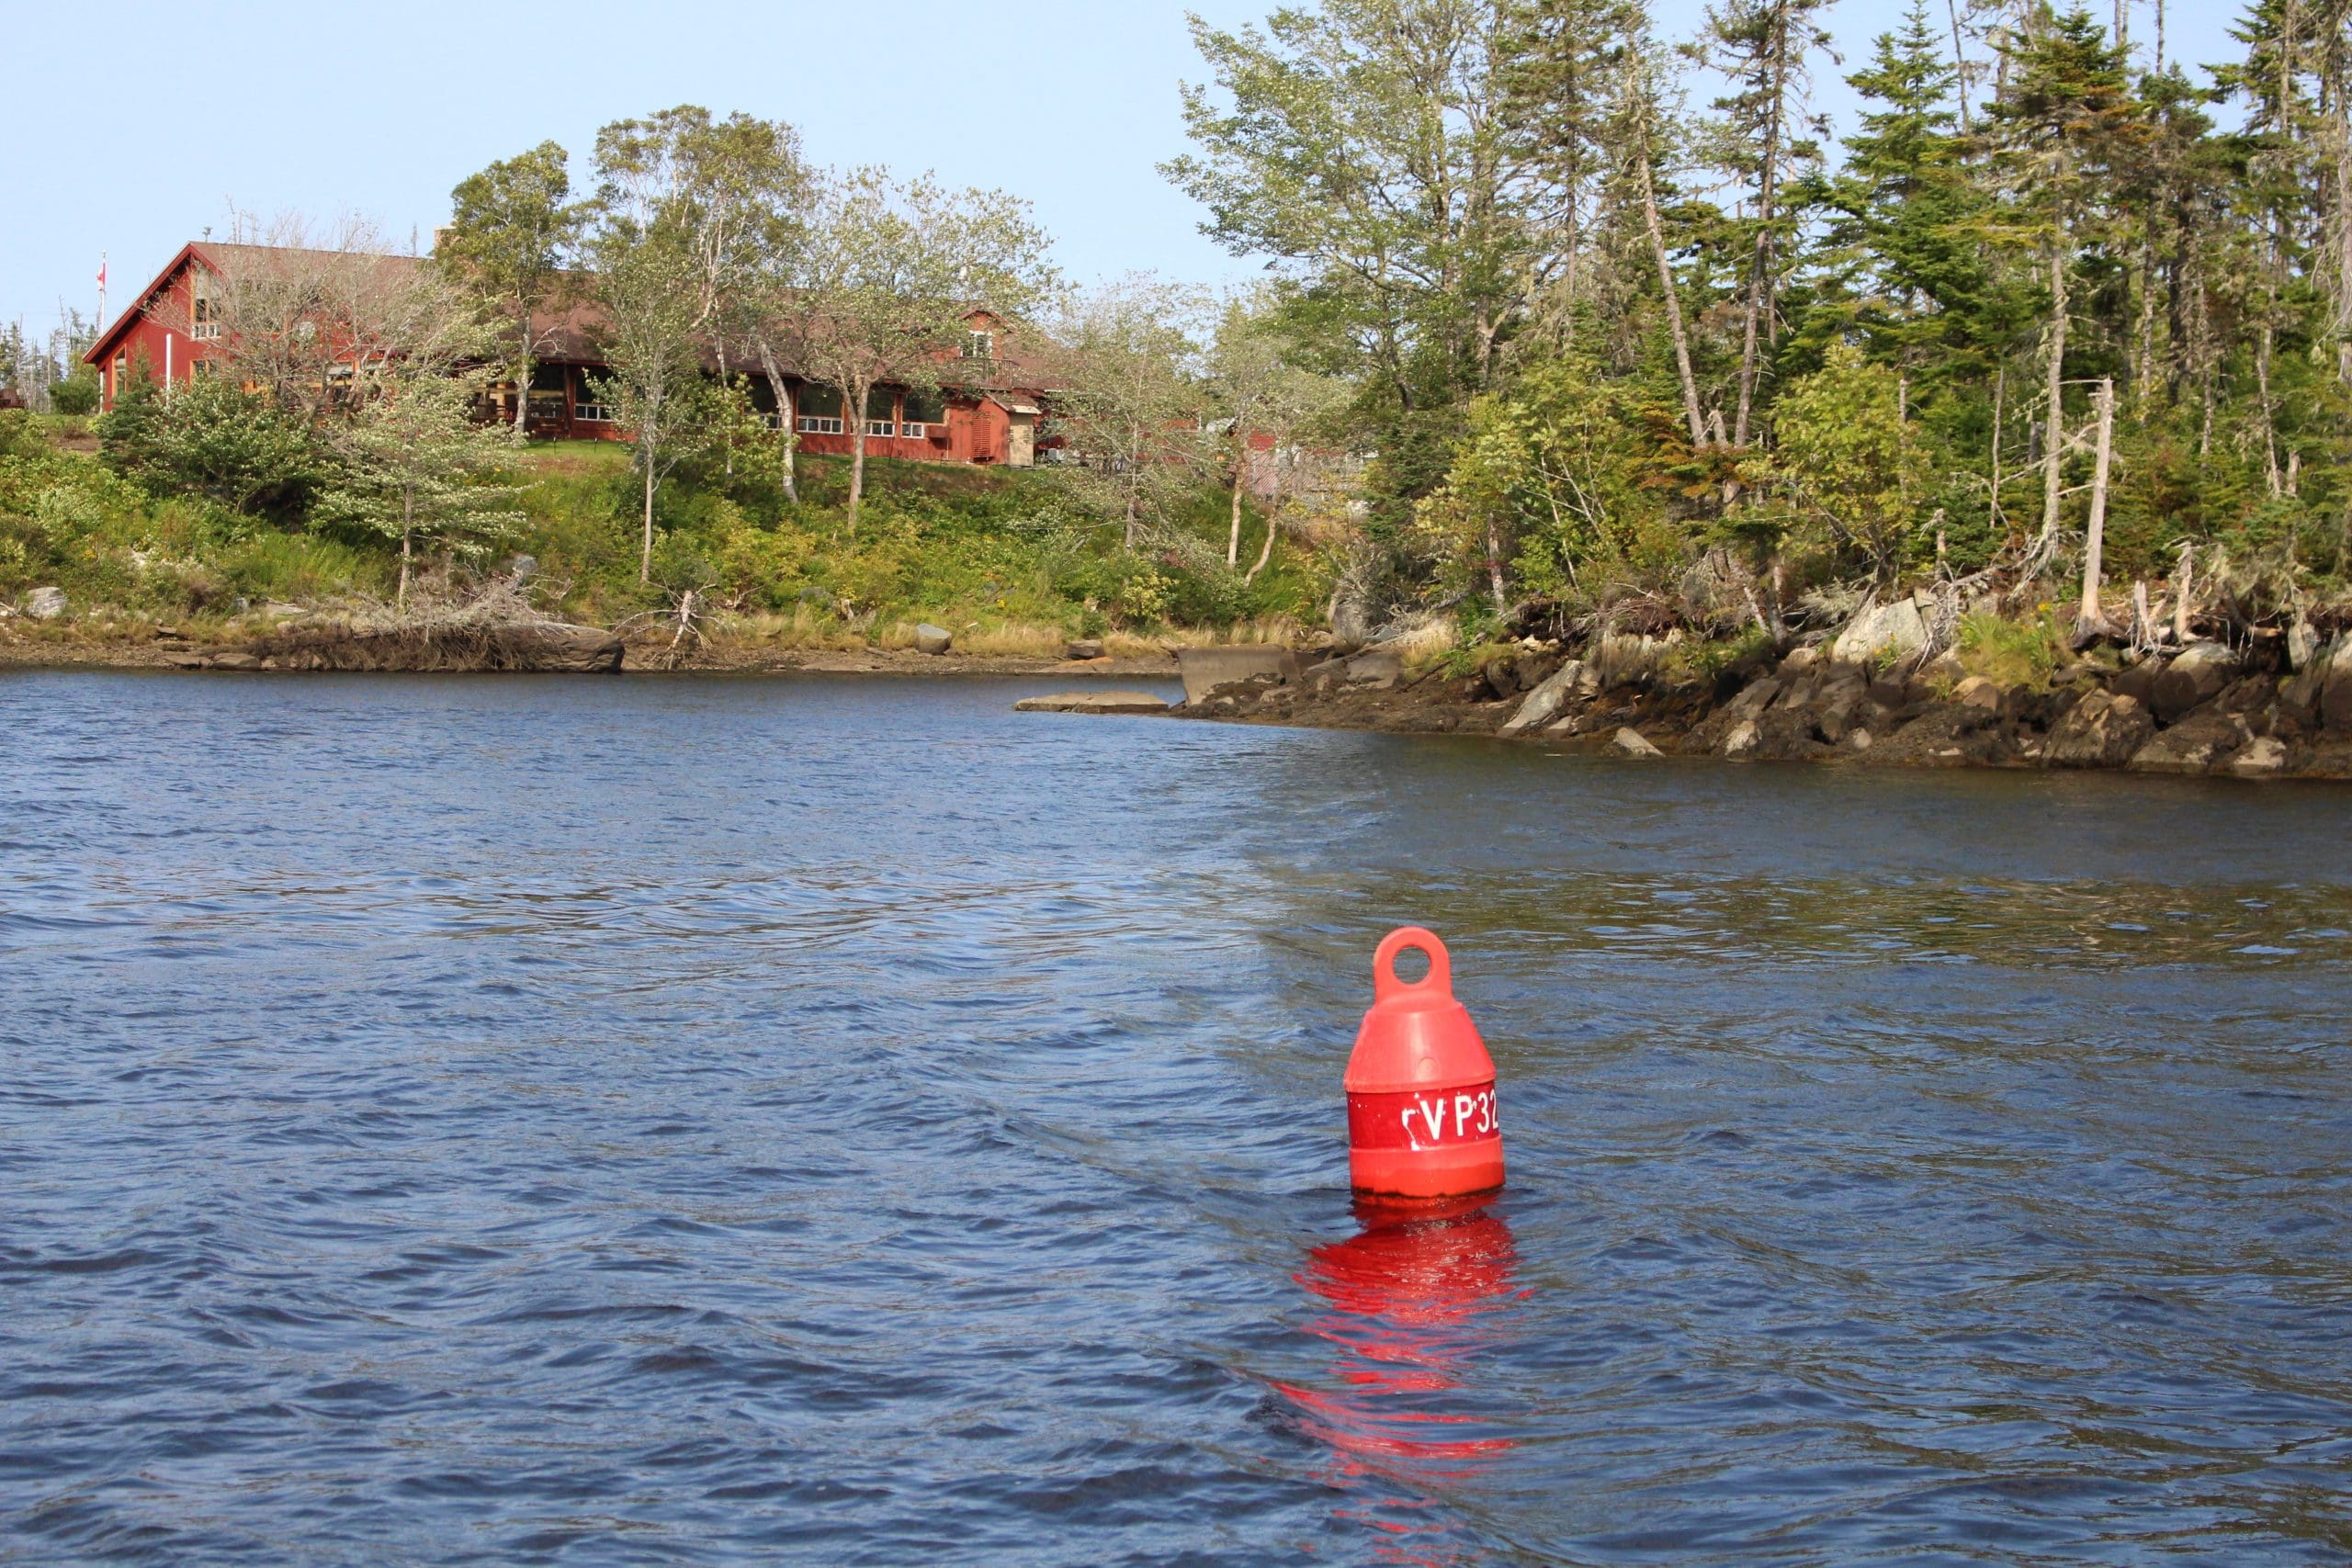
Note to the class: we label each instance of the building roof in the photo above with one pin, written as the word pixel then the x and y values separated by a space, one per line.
pixel 573 334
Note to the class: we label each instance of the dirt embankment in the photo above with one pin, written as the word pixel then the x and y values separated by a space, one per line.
pixel 324 644
pixel 2202 709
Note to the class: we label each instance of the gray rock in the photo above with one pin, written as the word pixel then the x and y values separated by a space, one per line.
pixel 188 662
pixel 2103 731
pixel 1629 742
pixel 235 662
pixel 522 568
pixel 2192 745
pixel 1092 702
pixel 276 610
pixel 1206 669
pixel 2265 757
pixel 1084 648
pixel 1859 740
pixel 1379 668
pixel 1897 627
pixel 1741 739
pixel 2334 707
pixel 2194 678
pixel 1754 698
pixel 557 647
pixel 1546 700
pixel 932 639
pixel 45 604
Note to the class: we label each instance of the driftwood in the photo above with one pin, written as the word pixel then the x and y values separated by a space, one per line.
pixel 494 629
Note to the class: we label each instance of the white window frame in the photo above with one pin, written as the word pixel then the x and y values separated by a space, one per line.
pixel 979 344
pixel 881 427
pixel 592 414
pixel 914 430
pixel 821 424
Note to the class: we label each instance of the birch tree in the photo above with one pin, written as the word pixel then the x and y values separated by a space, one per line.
pixel 884 280
pixel 414 466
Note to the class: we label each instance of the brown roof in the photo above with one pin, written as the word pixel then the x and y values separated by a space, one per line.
pixel 574 336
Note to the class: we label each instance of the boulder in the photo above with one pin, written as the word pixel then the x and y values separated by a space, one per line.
pixel 1546 700
pixel 2321 694
pixel 45 604
pixel 1740 741
pixel 1754 698
pixel 278 611
pixel 1206 669
pixel 1859 740
pixel 1897 627
pixel 932 639
pixel 1379 668
pixel 1092 702
pixel 2194 678
pixel 2102 730
pixel 2265 757
pixel 235 662
pixel 1630 743
pixel 1085 648
pixel 1976 692
pixel 2192 745
pixel 188 662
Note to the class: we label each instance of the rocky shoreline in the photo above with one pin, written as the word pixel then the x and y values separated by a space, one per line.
pixel 2203 709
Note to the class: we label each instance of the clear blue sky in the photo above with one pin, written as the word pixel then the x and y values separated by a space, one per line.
pixel 139 122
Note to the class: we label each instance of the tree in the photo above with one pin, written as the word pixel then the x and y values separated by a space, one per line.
pixel 216 439
pixel 1762 46
pixel 511 229
pixel 645 281
pixel 885 280
pixel 413 465
pixel 1262 394
pixel 1369 143
pixel 2062 126
pixel 1848 469
pixel 1127 403
pixel 735 191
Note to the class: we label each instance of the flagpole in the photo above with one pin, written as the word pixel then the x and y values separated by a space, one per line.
pixel 102 291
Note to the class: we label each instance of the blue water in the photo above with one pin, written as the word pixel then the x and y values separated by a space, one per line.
pixel 655 1121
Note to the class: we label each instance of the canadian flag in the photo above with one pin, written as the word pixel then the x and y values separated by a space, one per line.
pixel 102 272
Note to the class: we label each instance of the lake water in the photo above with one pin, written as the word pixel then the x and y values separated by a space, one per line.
pixel 722 1121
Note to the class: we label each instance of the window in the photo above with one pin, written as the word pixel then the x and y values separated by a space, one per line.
pixel 207 324
pixel 923 411
pixel 121 368
pixel 881 413
pixel 820 410
pixel 591 413
pixel 980 346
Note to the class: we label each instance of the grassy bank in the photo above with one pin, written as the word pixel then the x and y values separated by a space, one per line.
pixel 1001 558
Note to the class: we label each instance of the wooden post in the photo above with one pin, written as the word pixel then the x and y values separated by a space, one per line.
pixel 2088 616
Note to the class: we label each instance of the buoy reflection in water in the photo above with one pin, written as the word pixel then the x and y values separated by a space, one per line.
pixel 1412 1301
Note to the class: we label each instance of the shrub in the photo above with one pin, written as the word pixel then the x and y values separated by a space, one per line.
pixel 77 394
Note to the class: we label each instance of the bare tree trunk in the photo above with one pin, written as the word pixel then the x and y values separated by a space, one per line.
pixel 1495 565
pixel 1960 66
pixel 2000 396
pixel 2054 388
pixel 1766 188
pixel 407 535
pixel 787 430
pixel 645 558
pixel 856 452
pixel 2182 589
pixel 523 377
pixel 2088 616
pixel 1233 536
pixel 1273 518
pixel 1673 308
pixel 2144 367
pixel 2262 351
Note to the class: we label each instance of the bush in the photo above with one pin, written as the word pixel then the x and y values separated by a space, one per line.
pixel 77 394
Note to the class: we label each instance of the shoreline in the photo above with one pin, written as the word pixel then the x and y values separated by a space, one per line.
pixel 251 654
pixel 2195 712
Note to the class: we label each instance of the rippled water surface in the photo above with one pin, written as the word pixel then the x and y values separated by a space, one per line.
pixel 653 1121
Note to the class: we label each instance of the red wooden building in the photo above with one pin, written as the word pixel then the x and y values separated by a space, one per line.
pixel 990 416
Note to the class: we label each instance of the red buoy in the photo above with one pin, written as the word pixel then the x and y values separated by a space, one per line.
pixel 1422 1121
